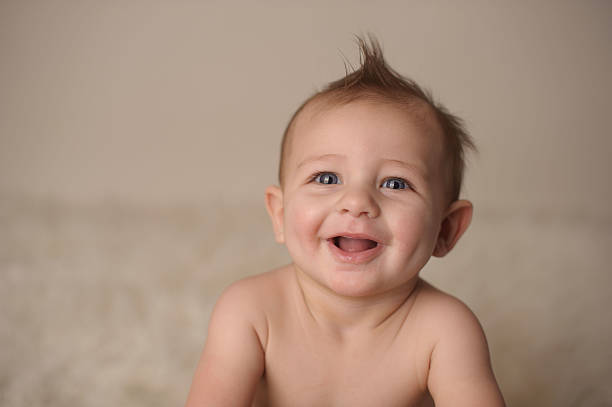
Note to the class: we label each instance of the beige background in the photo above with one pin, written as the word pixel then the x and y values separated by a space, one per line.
pixel 136 139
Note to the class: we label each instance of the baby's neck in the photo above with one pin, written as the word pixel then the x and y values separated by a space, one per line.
pixel 344 317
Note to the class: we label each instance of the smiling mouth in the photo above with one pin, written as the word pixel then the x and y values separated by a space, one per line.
pixel 353 245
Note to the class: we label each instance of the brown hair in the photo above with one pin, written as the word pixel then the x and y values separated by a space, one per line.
pixel 374 79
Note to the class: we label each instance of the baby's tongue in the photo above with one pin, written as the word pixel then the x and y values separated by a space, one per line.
pixel 355 245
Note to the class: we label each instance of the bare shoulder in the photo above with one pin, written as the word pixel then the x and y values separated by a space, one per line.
pixel 254 289
pixel 259 291
pixel 236 341
pixel 460 372
pixel 451 325
pixel 444 313
pixel 254 298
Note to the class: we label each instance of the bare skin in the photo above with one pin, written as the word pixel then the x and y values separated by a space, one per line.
pixel 350 322
pixel 292 356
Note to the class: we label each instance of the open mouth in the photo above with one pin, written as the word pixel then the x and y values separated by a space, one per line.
pixel 352 245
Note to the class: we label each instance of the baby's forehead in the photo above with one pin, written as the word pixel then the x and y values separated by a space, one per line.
pixel 415 114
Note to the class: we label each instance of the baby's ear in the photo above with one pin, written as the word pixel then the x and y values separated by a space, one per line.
pixel 274 205
pixel 455 223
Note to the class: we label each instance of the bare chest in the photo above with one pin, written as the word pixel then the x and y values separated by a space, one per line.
pixel 306 369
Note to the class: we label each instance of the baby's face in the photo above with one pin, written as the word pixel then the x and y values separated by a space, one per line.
pixel 363 196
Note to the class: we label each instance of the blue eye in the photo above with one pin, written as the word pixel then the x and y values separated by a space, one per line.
pixel 395 183
pixel 327 178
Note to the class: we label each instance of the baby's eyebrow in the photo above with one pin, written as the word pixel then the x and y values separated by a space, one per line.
pixel 412 167
pixel 319 158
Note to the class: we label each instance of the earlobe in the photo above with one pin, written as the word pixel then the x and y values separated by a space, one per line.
pixel 455 223
pixel 274 205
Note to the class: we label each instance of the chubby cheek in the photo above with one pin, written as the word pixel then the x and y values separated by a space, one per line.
pixel 302 225
pixel 416 237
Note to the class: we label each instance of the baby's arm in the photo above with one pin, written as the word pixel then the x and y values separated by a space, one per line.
pixel 233 358
pixel 460 371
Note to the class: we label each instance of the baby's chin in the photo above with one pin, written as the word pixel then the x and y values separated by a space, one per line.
pixel 360 283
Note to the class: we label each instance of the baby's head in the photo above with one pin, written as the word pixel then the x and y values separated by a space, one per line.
pixel 370 175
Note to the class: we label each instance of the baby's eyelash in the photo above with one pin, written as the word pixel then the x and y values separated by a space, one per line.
pixel 314 176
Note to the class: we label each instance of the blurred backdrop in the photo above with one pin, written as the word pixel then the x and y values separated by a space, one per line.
pixel 137 137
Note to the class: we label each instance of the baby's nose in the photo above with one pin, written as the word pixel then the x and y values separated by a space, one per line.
pixel 358 202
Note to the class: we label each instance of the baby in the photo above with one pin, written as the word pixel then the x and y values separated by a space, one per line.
pixel 370 175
